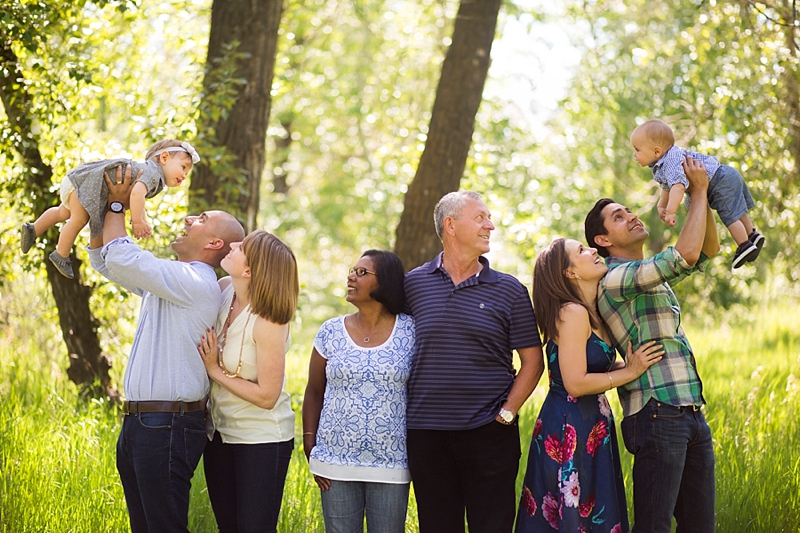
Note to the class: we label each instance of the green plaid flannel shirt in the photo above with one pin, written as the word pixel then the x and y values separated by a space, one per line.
pixel 637 304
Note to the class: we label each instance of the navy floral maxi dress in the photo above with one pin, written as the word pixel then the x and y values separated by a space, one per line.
pixel 573 482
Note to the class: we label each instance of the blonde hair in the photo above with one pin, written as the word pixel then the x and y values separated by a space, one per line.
pixel 659 133
pixel 274 284
pixel 160 145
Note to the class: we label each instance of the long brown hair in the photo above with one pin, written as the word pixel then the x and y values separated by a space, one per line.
pixel 552 290
pixel 274 284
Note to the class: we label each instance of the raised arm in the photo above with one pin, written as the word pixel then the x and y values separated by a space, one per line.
pixel 693 234
pixel 711 241
pixel 119 190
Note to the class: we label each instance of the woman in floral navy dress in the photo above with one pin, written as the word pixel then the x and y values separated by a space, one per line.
pixel 573 482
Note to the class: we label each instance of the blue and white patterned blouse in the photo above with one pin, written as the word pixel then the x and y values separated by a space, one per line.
pixel 362 428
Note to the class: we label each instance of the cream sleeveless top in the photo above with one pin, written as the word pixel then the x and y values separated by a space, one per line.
pixel 239 421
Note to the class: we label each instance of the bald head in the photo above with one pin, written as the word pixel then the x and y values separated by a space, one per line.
pixel 207 237
pixel 229 230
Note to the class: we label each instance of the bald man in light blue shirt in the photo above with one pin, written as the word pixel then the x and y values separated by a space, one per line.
pixel 163 433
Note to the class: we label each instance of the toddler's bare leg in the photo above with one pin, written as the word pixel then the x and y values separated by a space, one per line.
pixel 737 232
pixel 78 218
pixel 50 218
pixel 748 226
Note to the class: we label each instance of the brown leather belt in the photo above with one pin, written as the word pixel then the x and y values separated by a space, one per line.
pixel 132 408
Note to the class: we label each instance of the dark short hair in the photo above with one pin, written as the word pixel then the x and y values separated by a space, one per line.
pixel 390 273
pixel 594 225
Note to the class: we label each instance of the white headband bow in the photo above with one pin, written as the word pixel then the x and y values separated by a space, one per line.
pixel 184 147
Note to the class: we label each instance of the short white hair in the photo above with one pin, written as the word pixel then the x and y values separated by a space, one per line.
pixel 451 205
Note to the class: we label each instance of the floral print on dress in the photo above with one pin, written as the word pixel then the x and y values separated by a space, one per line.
pixel 529 504
pixel 551 510
pixel 573 481
pixel 602 403
pixel 596 437
pixel 571 490
pixel 561 452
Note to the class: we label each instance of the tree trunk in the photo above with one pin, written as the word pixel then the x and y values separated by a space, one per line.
pixel 792 105
pixel 88 365
pixel 280 180
pixel 242 130
pixel 458 97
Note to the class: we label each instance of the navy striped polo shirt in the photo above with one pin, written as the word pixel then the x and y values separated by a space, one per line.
pixel 463 367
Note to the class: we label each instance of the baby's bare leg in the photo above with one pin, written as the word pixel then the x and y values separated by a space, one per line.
pixel 748 226
pixel 78 218
pixel 738 230
pixel 50 218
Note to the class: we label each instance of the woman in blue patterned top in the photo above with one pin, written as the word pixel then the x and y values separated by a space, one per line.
pixel 354 411
pixel 573 482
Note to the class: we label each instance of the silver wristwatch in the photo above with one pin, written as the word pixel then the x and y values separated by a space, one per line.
pixel 507 416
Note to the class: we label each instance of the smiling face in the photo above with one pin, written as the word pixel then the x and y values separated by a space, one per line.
pixel 235 262
pixel 645 151
pixel 360 287
pixel 176 165
pixel 472 229
pixel 625 230
pixel 585 264
pixel 197 232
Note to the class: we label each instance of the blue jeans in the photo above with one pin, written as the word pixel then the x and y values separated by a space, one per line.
pixel 673 469
pixel 157 454
pixel 473 470
pixel 245 483
pixel 346 502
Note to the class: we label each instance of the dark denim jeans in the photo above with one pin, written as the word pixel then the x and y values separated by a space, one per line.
pixel 245 483
pixel 473 470
pixel 673 469
pixel 157 454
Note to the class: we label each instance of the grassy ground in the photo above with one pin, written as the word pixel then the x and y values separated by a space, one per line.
pixel 57 451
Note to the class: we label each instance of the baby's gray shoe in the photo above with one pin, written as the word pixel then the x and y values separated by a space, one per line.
pixel 63 264
pixel 28 236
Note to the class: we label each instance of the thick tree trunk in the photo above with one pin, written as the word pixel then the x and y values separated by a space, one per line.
pixel 243 130
pixel 792 104
pixel 280 180
pixel 88 365
pixel 458 97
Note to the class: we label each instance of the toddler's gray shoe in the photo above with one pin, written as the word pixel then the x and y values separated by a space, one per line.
pixel 63 264
pixel 28 236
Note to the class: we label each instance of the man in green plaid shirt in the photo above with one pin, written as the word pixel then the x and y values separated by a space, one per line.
pixel 664 428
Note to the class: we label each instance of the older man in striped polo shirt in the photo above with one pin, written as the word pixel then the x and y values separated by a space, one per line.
pixel 673 471
pixel 463 393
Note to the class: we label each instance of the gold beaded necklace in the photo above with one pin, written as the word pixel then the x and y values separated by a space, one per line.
pixel 223 337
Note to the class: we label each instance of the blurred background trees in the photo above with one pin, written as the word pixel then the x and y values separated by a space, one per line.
pixel 342 126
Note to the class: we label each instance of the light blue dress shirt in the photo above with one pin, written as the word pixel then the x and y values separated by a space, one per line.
pixel 179 301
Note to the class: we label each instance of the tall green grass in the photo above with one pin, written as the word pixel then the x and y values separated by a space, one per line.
pixel 57 468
